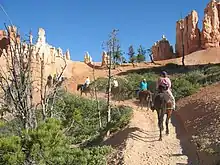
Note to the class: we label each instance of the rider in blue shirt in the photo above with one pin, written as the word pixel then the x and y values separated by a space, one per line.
pixel 143 85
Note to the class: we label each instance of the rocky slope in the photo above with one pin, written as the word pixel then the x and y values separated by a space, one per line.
pixel 200 113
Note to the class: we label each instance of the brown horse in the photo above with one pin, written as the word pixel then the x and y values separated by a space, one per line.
pixel 85 90
pixel 53 81
pixel 119 93
pixel 145 97
pixel 162 107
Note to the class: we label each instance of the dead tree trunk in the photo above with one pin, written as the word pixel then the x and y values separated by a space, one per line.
pixel 112 45
pixel 109 91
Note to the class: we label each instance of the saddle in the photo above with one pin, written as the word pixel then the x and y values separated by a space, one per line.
pixel 84 87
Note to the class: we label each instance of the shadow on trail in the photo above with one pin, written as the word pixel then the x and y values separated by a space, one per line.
pixel 119 138
pixel 181 133
pixel 118 142
pixel 143 138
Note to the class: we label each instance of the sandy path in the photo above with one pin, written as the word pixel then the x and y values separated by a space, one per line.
pixel 142 145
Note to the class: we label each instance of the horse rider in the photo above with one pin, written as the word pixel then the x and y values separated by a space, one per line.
pixel 49 80
pixel 164 84
pixel 87 82
pixel 54 78
pixel 143 87
pixel 115 83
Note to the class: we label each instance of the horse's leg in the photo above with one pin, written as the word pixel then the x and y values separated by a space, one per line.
pixel 141 103
pixel 93 93
pixel 119 97
pixel 158 117
pixel 147 102
pixel 161 125
pixel 167 121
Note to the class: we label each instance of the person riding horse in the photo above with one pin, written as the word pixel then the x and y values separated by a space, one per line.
pixel 115 83
pixel 164 86
pixel 143 87
pixel 86 84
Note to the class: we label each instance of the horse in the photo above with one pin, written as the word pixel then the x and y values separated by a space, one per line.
pixel 85 90
pixel 162 106
pixel 119 94
pixel 145 97
pixel 53 81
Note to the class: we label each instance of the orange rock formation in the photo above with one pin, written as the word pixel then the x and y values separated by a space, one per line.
pixel 210 32
pixel 188 35
pixel 162 50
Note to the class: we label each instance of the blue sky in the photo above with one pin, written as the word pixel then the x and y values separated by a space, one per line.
pixel 82 25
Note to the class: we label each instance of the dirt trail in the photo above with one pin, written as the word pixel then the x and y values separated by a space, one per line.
pixel 142 146
pixel 141 140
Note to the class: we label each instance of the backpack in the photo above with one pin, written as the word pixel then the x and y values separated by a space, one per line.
pixel 164 85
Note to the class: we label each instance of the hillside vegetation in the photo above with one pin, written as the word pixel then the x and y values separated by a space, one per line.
pixel 70 137
pixel 185 80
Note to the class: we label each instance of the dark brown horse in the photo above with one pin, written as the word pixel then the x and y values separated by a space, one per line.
pixel 162 107
pixel 119 93
pixel 145 97
pixel 53 81
pixel 85 90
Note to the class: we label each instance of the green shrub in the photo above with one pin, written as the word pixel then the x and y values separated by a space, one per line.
pixel 182 87
pixel 121 116
pixel 101 84
pixel 47 144
pixel 11 150
pixel 211 69
pixel 86 117
pixel 84 113
pixel 194 76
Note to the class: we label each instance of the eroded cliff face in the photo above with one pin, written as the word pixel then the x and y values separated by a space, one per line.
pixel 162 50
pixel 187 34
pixel 210 36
